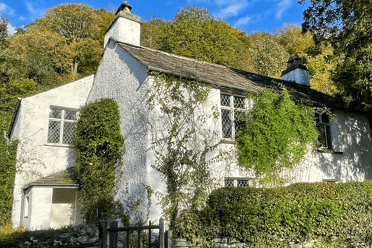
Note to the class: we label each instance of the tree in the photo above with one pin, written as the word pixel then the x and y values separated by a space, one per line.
pixel 62 46
pixel 3 30
pixel 293 40
pixel 268 56
pixel 195 34
pixel 319 59
pixel 347 26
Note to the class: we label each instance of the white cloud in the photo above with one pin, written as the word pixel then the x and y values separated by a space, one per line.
pixel 232 10
pixel 11 29
pixel 282 6
pixel 6 10
pixel 243 21
pixel 33 11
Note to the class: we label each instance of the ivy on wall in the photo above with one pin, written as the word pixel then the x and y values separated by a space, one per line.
pixel 277 135
pixel 182 139
pixel 98 149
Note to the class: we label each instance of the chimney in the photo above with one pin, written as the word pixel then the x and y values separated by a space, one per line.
pixel 126 27
pixel 296 72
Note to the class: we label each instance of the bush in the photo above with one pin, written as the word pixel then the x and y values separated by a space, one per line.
pixel 274 217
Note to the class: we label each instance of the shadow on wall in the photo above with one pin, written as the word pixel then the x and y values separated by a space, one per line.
pixel 354 163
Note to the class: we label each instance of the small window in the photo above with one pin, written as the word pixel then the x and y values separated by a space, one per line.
pixel 324 128
pixel 26 206
pixel 232 108
pixel 237 182
pixel 64 195
pixel 61 128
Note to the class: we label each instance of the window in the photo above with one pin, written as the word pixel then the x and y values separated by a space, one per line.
pixel 324 128
pixel 61 126
pixel 237 182
pixel 65 209
pixel 26 206
pixel 232 107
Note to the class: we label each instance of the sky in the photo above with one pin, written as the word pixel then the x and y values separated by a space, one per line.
pixel 247 15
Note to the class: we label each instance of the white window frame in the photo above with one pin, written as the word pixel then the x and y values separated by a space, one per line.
pixel 232 110
pixel 62 120
pixel 324 128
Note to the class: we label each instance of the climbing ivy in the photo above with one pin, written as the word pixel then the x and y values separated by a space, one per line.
pixel 277 135
pixel 183 137
pixel 98 149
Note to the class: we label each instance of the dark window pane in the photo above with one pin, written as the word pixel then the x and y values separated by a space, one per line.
pixel 226 123
pixel 238 102
pixel 225 100
pixel 68 132
pixel 229 183
pixel 70 115
pixel 54 130
pixel 64 195
pixel 239 124
pixel 55 113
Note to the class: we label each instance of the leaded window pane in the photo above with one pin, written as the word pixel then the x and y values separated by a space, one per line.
pixel 328 134
pixel 229 183
pixel 54 131
pixel 70 115
pixel 243 183
pixel 68 132
pixel 238 102
pixel 239 123
pixel 225 100
pixel 226 123
pixel 324 129
pixel 55 113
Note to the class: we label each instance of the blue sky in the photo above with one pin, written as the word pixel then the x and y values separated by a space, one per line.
pixel 248 15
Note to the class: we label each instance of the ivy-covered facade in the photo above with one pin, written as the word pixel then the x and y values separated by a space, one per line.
pixel 180 119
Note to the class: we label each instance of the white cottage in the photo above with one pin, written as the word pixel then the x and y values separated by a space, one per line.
pixel 45 193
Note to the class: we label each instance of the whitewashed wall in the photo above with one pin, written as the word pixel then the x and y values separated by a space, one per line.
pixel 36 158
pixel 124 79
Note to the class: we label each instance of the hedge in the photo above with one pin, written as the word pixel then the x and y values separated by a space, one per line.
pixel 274 217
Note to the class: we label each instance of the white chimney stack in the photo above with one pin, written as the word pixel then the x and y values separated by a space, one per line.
pixel 126 27
pixel 296 72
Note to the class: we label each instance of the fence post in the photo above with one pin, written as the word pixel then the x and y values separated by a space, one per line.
pixel 161 233
pixel 113 234
pixel 168 239
pixel 103 232
pixel 150 234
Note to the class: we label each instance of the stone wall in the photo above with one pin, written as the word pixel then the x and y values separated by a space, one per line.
pixel 76 236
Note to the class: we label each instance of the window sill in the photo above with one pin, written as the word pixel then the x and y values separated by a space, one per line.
pixel 58 145
pixel 228 141
pixel 326 150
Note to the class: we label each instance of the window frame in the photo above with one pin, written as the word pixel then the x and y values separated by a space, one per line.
pixel 232 109
pixel 237 182
pixel 62 121
pixel 324 129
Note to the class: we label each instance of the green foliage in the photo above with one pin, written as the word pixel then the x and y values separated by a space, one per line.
pixel 277 134
pixel 9 94
pixel 274 217
pixel 62 46
pixel 182 140
pixel 98 147
pixel 347 26
pixel 268 56
pixel 195 34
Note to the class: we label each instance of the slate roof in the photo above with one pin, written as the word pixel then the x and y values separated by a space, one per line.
pixel 229 78
pixel 63 178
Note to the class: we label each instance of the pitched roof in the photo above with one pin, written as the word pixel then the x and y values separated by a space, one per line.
pixel 63 178
pixel 223 77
